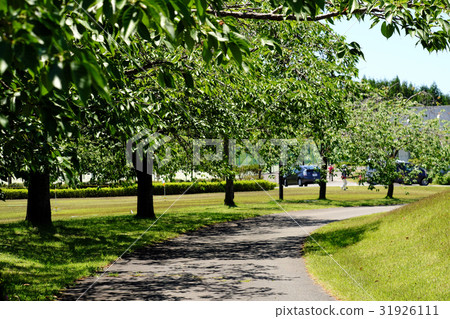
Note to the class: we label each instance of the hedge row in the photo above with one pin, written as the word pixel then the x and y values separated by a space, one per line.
pixel 171 189
pixel 442 179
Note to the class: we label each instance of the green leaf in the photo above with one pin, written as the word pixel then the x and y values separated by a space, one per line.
pixel 56 76
pixel 158 6
pixel 183 10
pixel 81 79
pixel 3 121
pixel 241 41
pixel 189 41
pixel 130 21
pixel 219 58
pixel 167 26
pixel 201 6
pixel 168 80
pixel 161 79
pixel 188 80
pixel 5 56
pixel 236 51
pixel 389 17
pixel 109 8
pixel 387 29
pixel 143 31
pixel 206 53
pixel 99 80
pixel 356 49
pixel 3 6
pixel 355 6
pixel 120 4
pixel 445 26
pixel 44 88
pixel 296 6
pixel 320 4
pixel 86 4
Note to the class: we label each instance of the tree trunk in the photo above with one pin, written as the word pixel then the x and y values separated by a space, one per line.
pixel 323 190
pixel 322 182
pixel 9 181
pixel 229 192
pixel 39 211
pixel 3 296
pixel 229 180
pixel 260 173
pixel 145 207
pixel 280 183
pixel 390 193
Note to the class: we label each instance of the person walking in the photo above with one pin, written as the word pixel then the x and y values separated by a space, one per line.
pixel 344 177
pixel 331 172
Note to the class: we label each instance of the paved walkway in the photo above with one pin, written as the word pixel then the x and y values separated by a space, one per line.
pixel 253 259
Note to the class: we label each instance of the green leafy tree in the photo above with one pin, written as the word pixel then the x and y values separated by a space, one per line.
pixel 64 63
pixel 104 158
pixel 312 79
pixel 380 127
pixel 425 95
pixel 425 20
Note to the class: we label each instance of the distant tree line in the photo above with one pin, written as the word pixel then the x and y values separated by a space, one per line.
pixel 430 96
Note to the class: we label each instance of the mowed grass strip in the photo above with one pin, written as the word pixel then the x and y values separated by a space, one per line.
pixel 400 255
pixel 296 198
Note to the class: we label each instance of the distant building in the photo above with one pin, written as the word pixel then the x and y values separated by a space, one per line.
pixel 440 112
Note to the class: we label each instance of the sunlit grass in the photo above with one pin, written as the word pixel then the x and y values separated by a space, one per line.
pixel 36 265
pixel 400 255
pixel 89 233
pixel 295 198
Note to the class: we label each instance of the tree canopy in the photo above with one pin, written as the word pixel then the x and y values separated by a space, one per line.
pixel 380 126
pixel 66 65
pixel 425 95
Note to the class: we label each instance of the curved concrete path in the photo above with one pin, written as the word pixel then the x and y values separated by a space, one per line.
pixel 253 259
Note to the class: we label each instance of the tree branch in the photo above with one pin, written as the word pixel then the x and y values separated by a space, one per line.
pixel 282 17
pixel 146 67
pixel 421 93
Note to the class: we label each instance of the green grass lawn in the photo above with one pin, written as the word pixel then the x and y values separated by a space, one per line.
pixel 400 255
pixel 37 265
pixel 295 198
pixel 90 233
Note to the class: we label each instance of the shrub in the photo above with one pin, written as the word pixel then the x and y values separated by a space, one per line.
pixel 15 193
pixel 158 189
pixel 443 179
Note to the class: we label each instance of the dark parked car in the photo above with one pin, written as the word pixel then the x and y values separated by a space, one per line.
pixel 302 176
pixel 409 174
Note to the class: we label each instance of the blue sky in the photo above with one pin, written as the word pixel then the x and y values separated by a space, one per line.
pixel 398 55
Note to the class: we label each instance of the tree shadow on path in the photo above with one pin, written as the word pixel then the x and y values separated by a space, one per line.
pixel 237 260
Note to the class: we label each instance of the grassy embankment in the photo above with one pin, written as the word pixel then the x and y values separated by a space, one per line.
pixel 90 233
pixel 400 255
